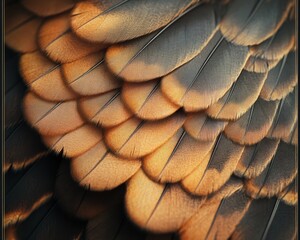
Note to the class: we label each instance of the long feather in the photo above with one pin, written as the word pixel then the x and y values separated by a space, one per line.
pixel 44 78
pixel 206 78
pixel 159 53
pixel 100 170
pixel 241 21
pixel 116 21
pixel 254 125
pixel 239 98
pixel 159 208
pixel 202 127
pixel 60 44
pixel 175 159
pixel 47 8
pixel 35 187
pixel 216 220
pixel 106 110
pixel 71 143
pixel 20 23
pixel 280 172
pixel 255 158
pixel 51 118
pixel 89 75
pixel 215 169
pixel 281 80
pixel 135 138
pixel 146 100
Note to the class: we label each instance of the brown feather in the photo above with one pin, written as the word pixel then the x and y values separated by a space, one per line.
pixel 254 125
pixel 158 208
pixel 176 158
pixel 100 170
pixel 260 65
pixel 135 138
pixel 147 101
pixel 51 118
pixel 89 75
pixel 72 143
pixel 106 110
pixel 44 77
pixel 61 45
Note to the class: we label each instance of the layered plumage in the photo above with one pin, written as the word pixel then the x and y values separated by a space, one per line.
pixel 181 112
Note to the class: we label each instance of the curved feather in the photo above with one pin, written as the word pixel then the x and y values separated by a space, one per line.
pixel 106 110
pixel 147 101
pixel 158 208
pixel 281 80
pixel 240 22
pixel 159 53
pixel 202 127
pixel 255 158
pixel 82 202
pixel 135 138
pixel 44 78
pixel 254 125
pixel 72 143
pixel 279 173
pixel 216 220
pixel 241 96
pixel 278 45
pixel 116 21
pixel 60 44
pixel 176 158
pixel 293 136
pixel 51 118
pixel 28 194
pixel 215 169
pixel 100 170
pixel 20 23
pixel 290 194
pixel 89 75
pixel 47 8
pixel 206 78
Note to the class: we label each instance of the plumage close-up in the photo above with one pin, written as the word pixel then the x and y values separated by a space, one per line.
pixel 151 120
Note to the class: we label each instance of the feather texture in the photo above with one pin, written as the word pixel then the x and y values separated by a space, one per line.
pixel 159 208
pixel 82 202
pixel 60 44
pixel 215 169
pixel 157 54
pixel 241 21
pixel 89 75
pixel 259 65
pixel 20 23
pixel 216 220
pixel 175 159
pixel 206 78
pixel 281 80
pixel 254 125
pixel 202 127
pixel 51 118
pixel 115 21
pixel 241 96
pixel 255 158
pixel 135 138
pixel 32 192
pixel 279 173
pixel 44 78
pixel 71 143
pixel 290 194
pixel 99 169
pixel 47 8
pixel 106 110
pixel 146 100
